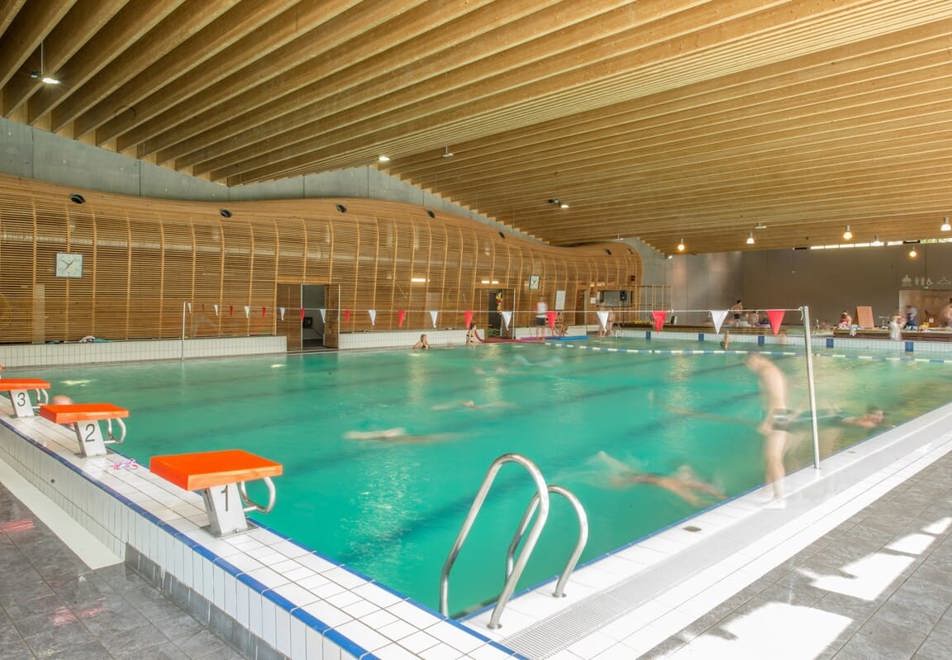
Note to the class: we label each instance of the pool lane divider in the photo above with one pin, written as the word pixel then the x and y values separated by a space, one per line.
pixel 679 351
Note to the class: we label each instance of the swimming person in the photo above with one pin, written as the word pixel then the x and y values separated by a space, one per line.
pixel 683 483
pixel 398 434
pixel 60 400
pixel 777 418
pixel 423 344
pixel 472 405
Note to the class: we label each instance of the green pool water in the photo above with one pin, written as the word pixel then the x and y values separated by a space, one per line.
pixel 392 509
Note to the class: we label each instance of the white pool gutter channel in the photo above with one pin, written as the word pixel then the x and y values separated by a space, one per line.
pixel 628 602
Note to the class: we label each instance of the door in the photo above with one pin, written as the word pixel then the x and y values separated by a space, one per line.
pixel 314 297
pixel 289 297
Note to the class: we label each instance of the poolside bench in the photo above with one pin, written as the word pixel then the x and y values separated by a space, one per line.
pixel 221 476
pixel 84 419
pixel 18 389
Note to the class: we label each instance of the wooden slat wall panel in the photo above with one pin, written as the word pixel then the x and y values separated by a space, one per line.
pixel 143 259
pixel 16 271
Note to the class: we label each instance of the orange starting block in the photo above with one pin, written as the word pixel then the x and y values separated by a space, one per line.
pixel 18 389
pixel 221 476
pixel 84 419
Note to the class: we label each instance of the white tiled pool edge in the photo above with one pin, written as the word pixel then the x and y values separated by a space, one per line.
pixel 44 355
pixel 295 601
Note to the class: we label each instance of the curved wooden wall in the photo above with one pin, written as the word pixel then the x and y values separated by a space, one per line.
pixel 144 258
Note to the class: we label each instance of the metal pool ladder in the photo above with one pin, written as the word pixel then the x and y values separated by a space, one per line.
pixel 515 566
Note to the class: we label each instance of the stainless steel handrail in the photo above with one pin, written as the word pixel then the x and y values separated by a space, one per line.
pixel 513 576
pixel 579 546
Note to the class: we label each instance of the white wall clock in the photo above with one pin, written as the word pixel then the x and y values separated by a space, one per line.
pixel 69 265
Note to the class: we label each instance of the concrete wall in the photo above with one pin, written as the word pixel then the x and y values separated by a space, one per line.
pixel 33 153
pixel 832 280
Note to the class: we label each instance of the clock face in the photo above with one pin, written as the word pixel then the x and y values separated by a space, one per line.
pixel 69 265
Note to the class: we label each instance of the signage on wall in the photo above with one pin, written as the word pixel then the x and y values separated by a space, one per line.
pixel 69 264
pixel 533 282
pixel 560 300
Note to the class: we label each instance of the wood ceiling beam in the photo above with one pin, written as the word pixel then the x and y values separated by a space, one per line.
pixel 558 155
pixel 472 103
pixel 327 32
pixel 79 25
pixel 134 20
pixel 8 11
pixel 27 30
pixel 508 46
pixel 479 34
pixel 219 34
pixel 726 152
pixel 498 81
pixel 189 19
pixel 667 108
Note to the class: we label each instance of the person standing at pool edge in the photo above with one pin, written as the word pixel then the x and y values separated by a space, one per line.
pixel 541 310
pixel 777 417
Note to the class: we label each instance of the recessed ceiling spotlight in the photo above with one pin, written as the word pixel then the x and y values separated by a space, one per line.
pixel 446 153
pixel 760 225
pixel 847 235
pixel 945 225
pixel 555 201
pixel 750 238
pixel 681 245
pixel 383 159
pixel 563 205
pixel 76 198
pixel 913 254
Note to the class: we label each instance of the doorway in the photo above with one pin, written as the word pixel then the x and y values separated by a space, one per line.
pixel 313 299
pixel 498 300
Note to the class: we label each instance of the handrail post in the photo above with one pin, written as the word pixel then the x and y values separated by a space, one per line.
pixel 520 565
pixel 811 386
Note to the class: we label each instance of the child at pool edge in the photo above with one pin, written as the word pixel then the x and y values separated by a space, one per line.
pixel 777 416
pixel 472 335
pixel 423 344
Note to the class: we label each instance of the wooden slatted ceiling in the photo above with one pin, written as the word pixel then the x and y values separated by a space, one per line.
pixel 656 118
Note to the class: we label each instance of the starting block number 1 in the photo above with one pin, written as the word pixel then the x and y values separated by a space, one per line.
pixel 226 513
pixel 90 439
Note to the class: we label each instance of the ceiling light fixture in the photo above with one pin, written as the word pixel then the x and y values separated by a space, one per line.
pixel 945 225
pixel 750 238
pixel 760 225
pixel 563 205
pixel 913 254
pixel 555 201
pixel 39 75
pixel 681 245
pixel 383 159
pixel 446 153
pixel 847 235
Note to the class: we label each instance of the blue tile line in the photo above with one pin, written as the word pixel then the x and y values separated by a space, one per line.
pixel 257 586
pixel 344 642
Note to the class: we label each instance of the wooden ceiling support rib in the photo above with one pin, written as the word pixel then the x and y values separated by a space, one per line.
pixel 407 43
pixel 135 19
pixel 193 52
pixel 8 11
pixel 27 31
pixel 84 20
pixel 330 31
pixel 272 35
pixel 188 19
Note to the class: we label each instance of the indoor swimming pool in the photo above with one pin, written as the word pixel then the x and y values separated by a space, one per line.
pixel 384 451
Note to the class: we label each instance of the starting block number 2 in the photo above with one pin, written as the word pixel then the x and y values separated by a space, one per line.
pixel 90 439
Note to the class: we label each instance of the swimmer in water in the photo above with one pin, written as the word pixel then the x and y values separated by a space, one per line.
pixel 683 483
pixel 60 400
pixel 472 405
pixel 423 344
pixel 397 435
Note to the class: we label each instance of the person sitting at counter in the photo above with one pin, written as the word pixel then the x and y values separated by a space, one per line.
pixel 845 321
pixel 912 318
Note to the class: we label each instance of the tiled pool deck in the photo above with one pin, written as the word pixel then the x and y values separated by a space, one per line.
pixel 54 606
pixel 883 579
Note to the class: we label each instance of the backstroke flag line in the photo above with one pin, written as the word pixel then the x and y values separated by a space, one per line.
pixel 506 316
pixel 718 316
pixel 602 319
pixel 433 315
pixel 373 316
pixel 776 319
